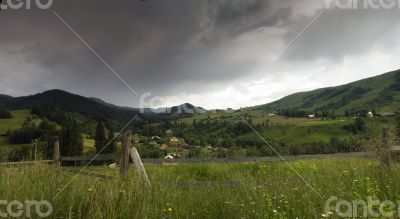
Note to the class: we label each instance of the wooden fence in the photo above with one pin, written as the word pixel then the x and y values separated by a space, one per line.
pixel 127 152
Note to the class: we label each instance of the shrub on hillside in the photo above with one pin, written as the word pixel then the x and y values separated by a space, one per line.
pixel 356 127
pixel 5 114
pixel 24 135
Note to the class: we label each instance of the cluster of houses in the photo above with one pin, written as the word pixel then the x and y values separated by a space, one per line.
pixel 177 147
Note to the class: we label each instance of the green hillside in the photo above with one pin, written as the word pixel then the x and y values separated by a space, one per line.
pixel 18 117
pixel 15 122
pixel 380 93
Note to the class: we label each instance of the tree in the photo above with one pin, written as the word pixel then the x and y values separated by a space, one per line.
pixel 357 126
pixel 100 137
pixel 47 127
pixel 24 135
pixel 112 143
pixel 5 114
pixel 71 142
pixel 346 113
pixel 50 135
pixel 28 122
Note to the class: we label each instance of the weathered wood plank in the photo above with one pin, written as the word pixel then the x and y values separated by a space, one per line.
pixel 26 162
pixel 56 153
pixel 126 144
pixel 110 156
pixel 140 171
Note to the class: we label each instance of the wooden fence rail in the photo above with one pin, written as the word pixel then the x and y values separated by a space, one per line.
pixel 115 157
pixel 110 156
pixel 26 162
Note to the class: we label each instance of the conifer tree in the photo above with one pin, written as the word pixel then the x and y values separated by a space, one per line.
pixel 100 137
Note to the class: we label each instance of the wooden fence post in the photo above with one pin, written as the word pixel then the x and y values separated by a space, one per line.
pixel 385 151
pixel 140 171
pixel 126 143
pixel 56 153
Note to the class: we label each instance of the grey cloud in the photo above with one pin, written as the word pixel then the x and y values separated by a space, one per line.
pixel 172 46
pixel 346 32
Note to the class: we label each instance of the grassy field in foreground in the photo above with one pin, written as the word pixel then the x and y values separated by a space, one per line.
pixel 248 190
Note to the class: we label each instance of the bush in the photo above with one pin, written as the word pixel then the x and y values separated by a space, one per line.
pixel 5 114
pixel 357 126
pixel 24 135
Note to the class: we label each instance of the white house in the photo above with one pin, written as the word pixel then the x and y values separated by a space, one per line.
pixel 169 157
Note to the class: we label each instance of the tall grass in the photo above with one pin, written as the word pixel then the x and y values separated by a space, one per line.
pixel 248 190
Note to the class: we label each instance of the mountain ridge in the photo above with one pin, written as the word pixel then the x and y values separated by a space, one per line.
pixel 378 93
pixel 87 106
pixel 381 92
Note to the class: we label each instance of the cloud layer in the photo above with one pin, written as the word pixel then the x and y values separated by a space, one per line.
pixel 209 53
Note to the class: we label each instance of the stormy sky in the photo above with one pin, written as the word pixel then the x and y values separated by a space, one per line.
pixel 211 53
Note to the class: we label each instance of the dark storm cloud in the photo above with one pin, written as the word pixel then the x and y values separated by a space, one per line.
pixel 235 17
pixel 171 47
pixel 342 32
pixel 145 42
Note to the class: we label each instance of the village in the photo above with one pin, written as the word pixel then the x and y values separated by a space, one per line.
pixel 172 147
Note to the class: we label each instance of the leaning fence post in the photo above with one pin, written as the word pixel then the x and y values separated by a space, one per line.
pixel 56 153
pixel 140 171
pixel 126 142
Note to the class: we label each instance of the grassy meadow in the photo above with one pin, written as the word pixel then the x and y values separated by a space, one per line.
pixel 16 121
pixel 241 190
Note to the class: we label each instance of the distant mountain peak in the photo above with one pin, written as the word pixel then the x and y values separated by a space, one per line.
pixel 5 96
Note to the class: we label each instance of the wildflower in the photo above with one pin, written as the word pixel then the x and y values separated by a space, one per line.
pixel 170 209
pixel 90 189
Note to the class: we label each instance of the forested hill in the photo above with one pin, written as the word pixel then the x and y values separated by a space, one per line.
pixel 53 100
pixel 380 93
